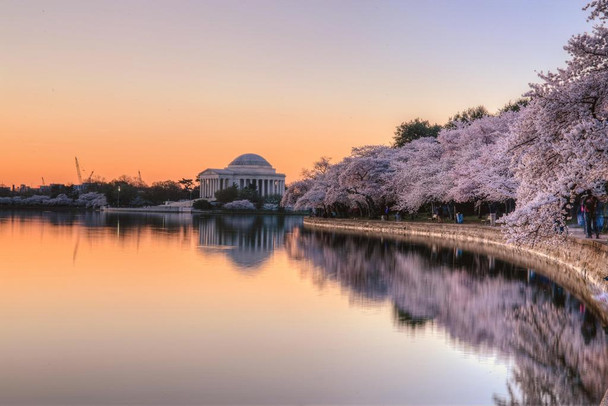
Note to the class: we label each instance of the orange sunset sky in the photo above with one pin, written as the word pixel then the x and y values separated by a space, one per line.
pixel 173 87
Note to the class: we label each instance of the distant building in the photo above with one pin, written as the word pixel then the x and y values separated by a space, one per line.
pixel 243 171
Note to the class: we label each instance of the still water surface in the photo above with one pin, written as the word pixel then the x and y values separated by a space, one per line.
pixel 172 309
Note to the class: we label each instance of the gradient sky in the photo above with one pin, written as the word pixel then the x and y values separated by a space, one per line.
pixel 173 87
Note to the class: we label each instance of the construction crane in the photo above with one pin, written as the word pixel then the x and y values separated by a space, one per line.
pixel 43 184
pixel 78 170
pixel 90 176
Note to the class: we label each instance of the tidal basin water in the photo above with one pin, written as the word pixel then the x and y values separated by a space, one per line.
pixel 172 309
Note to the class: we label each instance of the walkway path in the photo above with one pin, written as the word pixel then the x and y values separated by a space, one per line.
pixel 579 233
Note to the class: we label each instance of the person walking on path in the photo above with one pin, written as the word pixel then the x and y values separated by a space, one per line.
pixel 588 208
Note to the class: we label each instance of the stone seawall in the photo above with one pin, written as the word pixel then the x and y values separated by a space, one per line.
pixel 579 265
pixel 151 209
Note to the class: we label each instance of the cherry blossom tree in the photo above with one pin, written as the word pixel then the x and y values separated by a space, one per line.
pixel 366 177
pixel 420 174
pixel 335 196
pixel 297 194
pixel 295 191
pixel 481 165
pixel 561 142
pixel 239 205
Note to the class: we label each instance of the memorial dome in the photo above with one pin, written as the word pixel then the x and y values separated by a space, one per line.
pixel 250 160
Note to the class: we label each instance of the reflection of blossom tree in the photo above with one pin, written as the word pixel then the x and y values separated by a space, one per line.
pixel 554 364
pixel 489 307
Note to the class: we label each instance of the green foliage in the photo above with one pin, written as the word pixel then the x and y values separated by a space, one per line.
pixel 250 193
pixel 56 190
pixel 273 199
pixel 71 192
pixel 166 190
pixel 227 195
pixel 467 116
pixel 140 201
pixel 202 204
pixel 128 192
pixel 411 130
pixel 186 183
pixel 515 106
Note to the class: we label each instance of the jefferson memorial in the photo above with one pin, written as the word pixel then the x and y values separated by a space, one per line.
pixel 243 171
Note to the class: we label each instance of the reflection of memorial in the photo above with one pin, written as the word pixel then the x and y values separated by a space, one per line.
pixel 250 239
pixel 558 347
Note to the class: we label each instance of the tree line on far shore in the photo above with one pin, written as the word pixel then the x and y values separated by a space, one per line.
pixel 126 191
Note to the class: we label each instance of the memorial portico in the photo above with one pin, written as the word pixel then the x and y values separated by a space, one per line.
pixel 243 171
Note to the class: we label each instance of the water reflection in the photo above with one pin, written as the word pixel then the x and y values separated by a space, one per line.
pixel 484 304
pixel 250 240
pixel 148 305
pixel 122 223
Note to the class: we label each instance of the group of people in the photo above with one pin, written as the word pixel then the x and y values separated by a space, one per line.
pixel 589 206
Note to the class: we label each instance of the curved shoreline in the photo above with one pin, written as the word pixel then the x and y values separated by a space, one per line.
pixel 579 265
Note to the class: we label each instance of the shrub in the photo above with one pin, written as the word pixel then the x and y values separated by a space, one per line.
pixel 227 195
pixel 270 206
pixel 202 204
pixel 239 205
pixel 250 193
pixel 273 199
